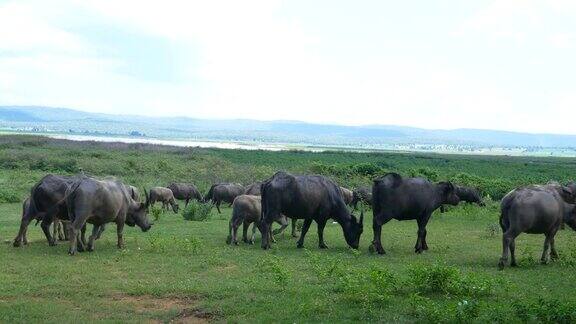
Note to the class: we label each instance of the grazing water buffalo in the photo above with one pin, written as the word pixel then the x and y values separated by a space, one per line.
pixel 99 202
pixel 186 192
pixel 254 189
pixel 347 195
pixel 406 199
pixel 247 209
pixel 223 192
pixel 467 194
pixel 535 210
pixel 361 194
pixel 310 198
pixel 46 202
pixel 165 196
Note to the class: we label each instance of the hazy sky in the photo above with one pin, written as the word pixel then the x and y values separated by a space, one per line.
pixel 507 64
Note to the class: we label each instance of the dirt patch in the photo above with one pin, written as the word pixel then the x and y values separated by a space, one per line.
pixel 186 307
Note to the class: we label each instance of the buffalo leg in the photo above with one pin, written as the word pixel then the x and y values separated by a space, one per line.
pixel 253 237
pixel 305 228
pixel 512 247
pixel 321 225
pixel 45 225
pixel 507 239
pixel 546 252
pixel 245 226
pixel 421 240
pixel 101 229
pixel 61 235
pixel 218 207
pixel 283 224
pixel 119 229
pixel 294 221
pixel 74 234
pixel 233 232
pixel 553 252
pixel 92 238
pixel 377 223
pixel 186 203
pixel 21 237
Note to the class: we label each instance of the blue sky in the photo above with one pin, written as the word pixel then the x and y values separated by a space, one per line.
pixel 505 64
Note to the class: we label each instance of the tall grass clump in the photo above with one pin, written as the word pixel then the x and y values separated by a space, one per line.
pixel 196 211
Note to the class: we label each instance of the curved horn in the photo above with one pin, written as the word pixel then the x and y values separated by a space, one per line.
pixel 147 197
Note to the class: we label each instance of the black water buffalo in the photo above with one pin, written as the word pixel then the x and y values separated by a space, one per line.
pixel 535 210
pixel 254 189
pixel 46 203
pixel 246 209
pixel 99 202
pixel 347 195
pixel 163 195
pixel 361 194
pixel 469 195
pixel 186 192
pixel 223 192
pixel 400 198
pixel 310 198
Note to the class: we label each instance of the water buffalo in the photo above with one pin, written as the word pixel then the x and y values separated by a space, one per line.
pixel 467 194
pixel 254 189
pixel 224 192
pixel 186 192
pixel 46 203
pixel 99 202
pixel 400 198
pixel 361 194
pixel 310 198
pixel 163 195
pixel 246 209
pixel 347 195
pixel 535 210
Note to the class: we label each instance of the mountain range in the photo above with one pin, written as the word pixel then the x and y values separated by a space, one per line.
pixel 66 121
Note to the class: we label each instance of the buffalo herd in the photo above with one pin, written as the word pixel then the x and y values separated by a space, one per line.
pixel 69 203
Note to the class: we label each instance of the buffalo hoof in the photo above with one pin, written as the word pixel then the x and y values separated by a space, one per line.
pixel 71 252
pixel 251 242
pixel 52 243
pixel 90 249
pixel 229 240
pixel 543 262
pixel 295 236
pixel 374 248
pixel 17 244
pixel 501 264
pixel 323 246
pixel 513 264
pixel 300 245
pixel 418 251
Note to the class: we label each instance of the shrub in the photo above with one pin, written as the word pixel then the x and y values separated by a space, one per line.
pixel 439 278
pixel 156 212
pixel 545 310
pixel 9 196
pixel 196 211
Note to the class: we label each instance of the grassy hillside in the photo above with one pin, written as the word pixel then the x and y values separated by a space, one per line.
pixel 183 270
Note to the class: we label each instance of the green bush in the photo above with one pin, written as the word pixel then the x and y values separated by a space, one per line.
pixel 444 279
pixel 9 196
pixel 545 311
pixel 196 211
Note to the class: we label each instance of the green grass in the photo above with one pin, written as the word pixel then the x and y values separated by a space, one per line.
pixel 188 265
pixel 182 270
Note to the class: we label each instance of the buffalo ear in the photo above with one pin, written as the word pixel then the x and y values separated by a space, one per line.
pixel 567 194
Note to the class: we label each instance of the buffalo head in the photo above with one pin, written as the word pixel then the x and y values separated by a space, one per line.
pixel 449 194
pixel 353 230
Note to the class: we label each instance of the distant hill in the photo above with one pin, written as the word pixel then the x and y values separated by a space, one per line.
pixel 63 120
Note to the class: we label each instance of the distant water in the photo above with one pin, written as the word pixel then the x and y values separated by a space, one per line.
pixel 180 143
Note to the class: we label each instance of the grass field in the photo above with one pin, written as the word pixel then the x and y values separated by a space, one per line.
pixel 183 270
